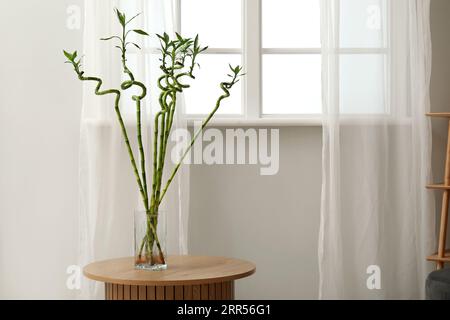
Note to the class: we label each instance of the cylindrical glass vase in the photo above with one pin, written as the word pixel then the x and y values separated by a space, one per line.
pixel 150 241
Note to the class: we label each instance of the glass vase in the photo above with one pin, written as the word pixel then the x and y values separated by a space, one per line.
pixel 150 240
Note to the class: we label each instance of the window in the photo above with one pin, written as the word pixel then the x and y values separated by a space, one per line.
pixel 278 42
pixel 281 53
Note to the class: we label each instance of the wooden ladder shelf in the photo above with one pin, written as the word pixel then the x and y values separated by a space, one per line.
pixel 443 255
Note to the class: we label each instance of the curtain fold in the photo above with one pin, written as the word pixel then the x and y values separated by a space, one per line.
pixel 108 191
pixel 377 218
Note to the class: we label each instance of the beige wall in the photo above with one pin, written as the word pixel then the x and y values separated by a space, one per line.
pixel 39 133
pixel 270 220
pixel 440 86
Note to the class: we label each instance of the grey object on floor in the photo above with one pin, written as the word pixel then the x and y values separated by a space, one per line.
pixel 438 285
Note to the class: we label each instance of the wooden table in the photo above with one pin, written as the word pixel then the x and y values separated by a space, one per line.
pixel 186 278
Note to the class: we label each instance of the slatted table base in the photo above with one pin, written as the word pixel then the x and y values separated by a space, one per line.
pixel 212 291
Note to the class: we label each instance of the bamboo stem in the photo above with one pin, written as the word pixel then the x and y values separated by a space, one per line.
pixel 141 148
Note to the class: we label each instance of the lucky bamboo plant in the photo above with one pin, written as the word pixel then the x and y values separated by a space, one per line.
pixel 178 62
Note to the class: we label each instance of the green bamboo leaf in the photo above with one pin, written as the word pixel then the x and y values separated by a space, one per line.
pixel 134 17
pixel 117 13
pixel 108 38
pixel 196 42
pixel 136 45
pixel 141 32
pixel 121 17
pixel 179 37
pixel 68 55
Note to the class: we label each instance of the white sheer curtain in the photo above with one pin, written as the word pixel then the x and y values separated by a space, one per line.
pixel 376 149
pixel 109 194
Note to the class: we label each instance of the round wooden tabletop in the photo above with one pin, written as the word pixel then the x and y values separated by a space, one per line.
pixel 181 270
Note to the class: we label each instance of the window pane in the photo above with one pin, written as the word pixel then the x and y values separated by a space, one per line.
pixel 204 91
pixel 291 23
pixel 217 22
pixel 292 84
pixel 362 84
pixel 363 23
